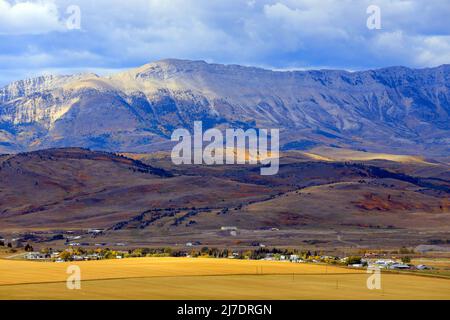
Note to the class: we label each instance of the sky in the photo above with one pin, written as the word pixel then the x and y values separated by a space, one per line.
pixel 103 36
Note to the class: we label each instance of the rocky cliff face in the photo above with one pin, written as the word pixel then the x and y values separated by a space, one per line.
pixel 394 109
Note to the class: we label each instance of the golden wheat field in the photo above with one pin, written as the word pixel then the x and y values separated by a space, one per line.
pixel 184 278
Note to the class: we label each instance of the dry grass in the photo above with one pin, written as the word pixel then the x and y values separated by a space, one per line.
pixel 334 154
pixel 182 278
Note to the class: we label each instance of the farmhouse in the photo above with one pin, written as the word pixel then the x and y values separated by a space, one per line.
pixel 229 228
pixel 383 263
pixel 36 256
pixel 399 266
pixel 423 267
pixel 95 231
pixel 94 256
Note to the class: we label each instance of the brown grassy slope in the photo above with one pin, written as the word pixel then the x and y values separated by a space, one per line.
pixel 79 188
pixel 75 188
pixel 375 203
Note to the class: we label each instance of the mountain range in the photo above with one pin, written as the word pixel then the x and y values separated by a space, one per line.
pixel 395 109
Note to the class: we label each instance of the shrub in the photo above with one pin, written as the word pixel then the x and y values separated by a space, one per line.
pixel 354 260
pixel 406 259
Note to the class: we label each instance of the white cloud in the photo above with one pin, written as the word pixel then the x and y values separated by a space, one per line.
pixel 27 17
pixel 275 33
pixel 417 50
pixel 433 51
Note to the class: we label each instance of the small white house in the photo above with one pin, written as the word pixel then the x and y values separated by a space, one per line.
pixel 384 262
pixel 423 267
pixel 229 228
pixel 36 256
pixel 400 266
pixel 95 231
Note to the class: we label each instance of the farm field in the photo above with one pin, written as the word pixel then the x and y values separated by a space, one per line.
pixel 184 278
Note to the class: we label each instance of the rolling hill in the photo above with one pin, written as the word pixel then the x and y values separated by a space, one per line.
pixel 48 194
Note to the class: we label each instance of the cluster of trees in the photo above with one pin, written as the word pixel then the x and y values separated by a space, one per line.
pixel 68 255
pixel 406 259
pixel 149 252
pixel 211 252
pixel 404 250
pixel 169 252
pixel 256 254
pixel 354 260
pixel 3 244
